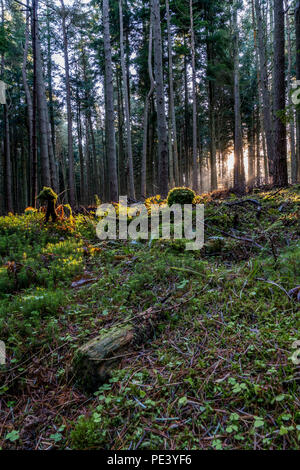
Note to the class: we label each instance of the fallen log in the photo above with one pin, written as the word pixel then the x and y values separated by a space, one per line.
pixel 93 362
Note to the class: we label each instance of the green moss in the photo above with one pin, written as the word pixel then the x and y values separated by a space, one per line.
pixel 181 196
pixel 47 194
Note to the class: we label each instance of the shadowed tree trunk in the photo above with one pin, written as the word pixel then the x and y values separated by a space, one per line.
pixel 109 109
pixel 239 173
pixel 72 197
pixel 27 90
pixel 297 28
pixel 264 84
pixel 171 102
pixel 127 113
pixel 280 148
pixel 195 159
pixel 146 115
pixel 43 116
pixel 163 176
pixel 292 120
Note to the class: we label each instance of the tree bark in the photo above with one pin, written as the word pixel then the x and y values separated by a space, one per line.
pixel 195 156
pixel 163 177
pixel 43 115
pixel 171 102
pixel 109 109
pixel 127 113
pixel 297 28
pixel 146 114
pixel 34 181
pixel 280 148
pixel 27 90
pixel 72 196
pixel 294 162
pixel 239 173
pixel 264 85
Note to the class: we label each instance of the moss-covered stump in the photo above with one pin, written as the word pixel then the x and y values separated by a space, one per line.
pixel 47 195
pixel 94 361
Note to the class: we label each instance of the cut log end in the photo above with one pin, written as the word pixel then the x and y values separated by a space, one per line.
pixel 94 361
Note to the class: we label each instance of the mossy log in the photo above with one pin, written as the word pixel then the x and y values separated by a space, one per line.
pixel 94 361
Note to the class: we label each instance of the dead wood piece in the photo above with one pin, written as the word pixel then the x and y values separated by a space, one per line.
pixel 93 362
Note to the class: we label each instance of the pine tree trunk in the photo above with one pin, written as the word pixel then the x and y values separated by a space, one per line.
pixel 264 85
pixel 172 116
pixel 109 109
pixel 8 166
pixel 27 90
pixel 239 174
pixel 72 195
pixel 127 113
pixel 50 115
pixel 294 162
pixel 297 28
pixel 42 113
pixel 163 163
pixel 194 85
pixel 280 147
pixel 146 115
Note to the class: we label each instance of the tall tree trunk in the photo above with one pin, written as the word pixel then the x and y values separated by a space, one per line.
pixel 127 113
pixel 109 109
pixel 212 124
pixel 297 28
pixel 8 166
pixel 294 162
pixel 239 173
pixel 34 105
pixel 160 98
pixel 195 156
pixel 251 153
pixel 146 115
pixel 43 115
pixel 50 115
pixel 171 100
pixel 264 84
pixel 72 197
pixel 7 153
pixel 280 151
pixel 26 88
pixel 80 151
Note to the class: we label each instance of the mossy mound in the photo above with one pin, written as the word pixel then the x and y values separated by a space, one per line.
pixel 181 196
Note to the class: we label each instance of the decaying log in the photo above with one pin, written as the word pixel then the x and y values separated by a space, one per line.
pixel 94 361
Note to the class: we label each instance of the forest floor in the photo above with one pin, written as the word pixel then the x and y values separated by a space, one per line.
pixel 218 373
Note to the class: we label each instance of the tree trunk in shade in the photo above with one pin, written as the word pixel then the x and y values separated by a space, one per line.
pixel 109 109
pixel 195 148
pixel 297 28
pixel 72 195
pixel 280 144
pixel 163 163
pixel 131 192
pixel 239 172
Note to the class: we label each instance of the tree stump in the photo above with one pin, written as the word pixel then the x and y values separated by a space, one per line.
pixel 93 362
pixel 50 197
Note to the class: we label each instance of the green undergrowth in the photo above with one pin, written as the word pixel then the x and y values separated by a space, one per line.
pixel 218 372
